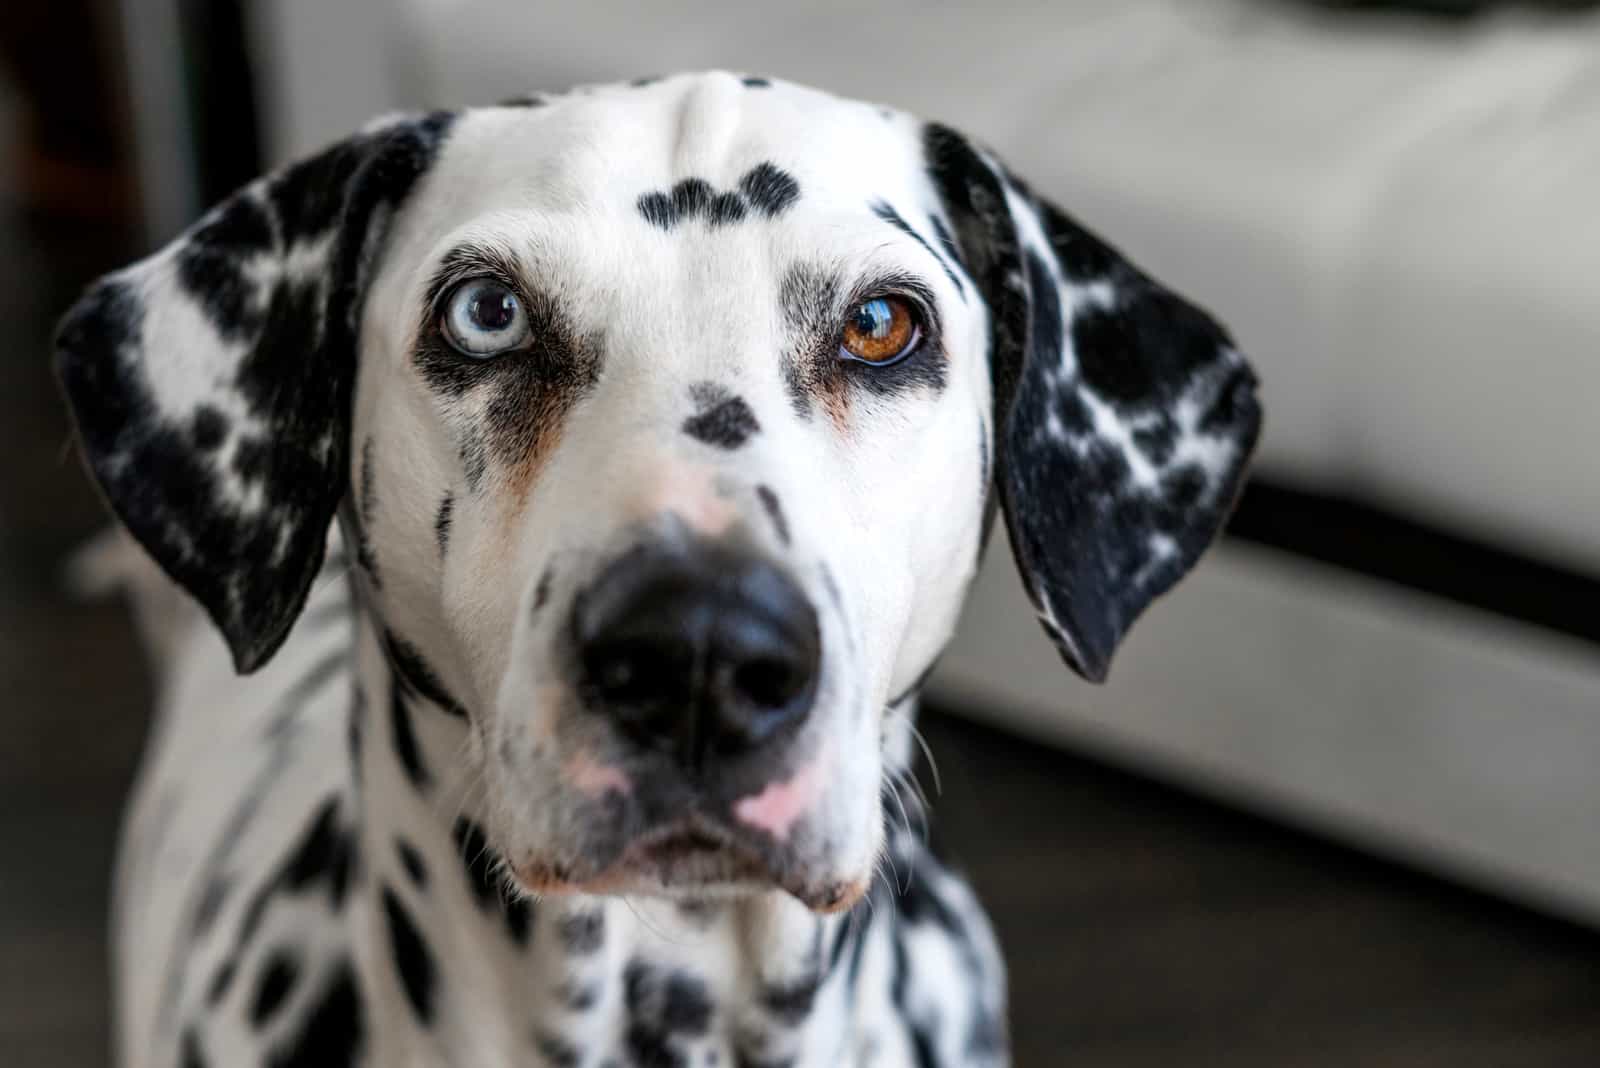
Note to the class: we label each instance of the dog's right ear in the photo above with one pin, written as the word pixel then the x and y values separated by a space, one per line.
pixel 211 383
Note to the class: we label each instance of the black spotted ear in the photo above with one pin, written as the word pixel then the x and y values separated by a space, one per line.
pixel 1124 417
pixel 211 383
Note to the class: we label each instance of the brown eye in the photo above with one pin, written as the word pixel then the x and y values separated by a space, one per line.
pixel 879 331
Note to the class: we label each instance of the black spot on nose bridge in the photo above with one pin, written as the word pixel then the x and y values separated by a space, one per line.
pixel 722 419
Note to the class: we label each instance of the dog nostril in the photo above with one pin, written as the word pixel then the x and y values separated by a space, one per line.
pixel 769 682
pixel 634 672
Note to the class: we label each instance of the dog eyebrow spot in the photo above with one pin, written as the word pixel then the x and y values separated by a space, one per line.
pixel 657 210
pixel 765 188
pixel 769 188
pixel 769 501
pixel 724 420
pixel 726 208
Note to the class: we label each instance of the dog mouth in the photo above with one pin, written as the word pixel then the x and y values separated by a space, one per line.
pixel 689 857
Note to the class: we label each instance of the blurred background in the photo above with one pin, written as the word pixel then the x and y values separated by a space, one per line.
pixel 1339 804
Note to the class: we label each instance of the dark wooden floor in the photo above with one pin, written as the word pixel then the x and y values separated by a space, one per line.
pixel 1143 927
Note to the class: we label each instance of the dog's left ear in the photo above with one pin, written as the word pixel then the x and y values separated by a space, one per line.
pixel 211 383
pixel 1123 415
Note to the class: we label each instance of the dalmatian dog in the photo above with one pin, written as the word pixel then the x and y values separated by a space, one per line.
pixel 586 485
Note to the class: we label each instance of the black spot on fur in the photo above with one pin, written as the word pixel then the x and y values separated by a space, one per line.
pixel 1045 325
pixel 325 854
pixel 474 460
pixel 479 862
pixel 884 211
pixel 700 913
pixel 947 242
pixel 416 677
pixel 478 859
pixel 583 932
pixel 657 210
pixel 413 961
pixel 753 82
pixel 366 556
pixel 405 740
pixel 212 264
pixel 578 996
pixel 769 189
pixel 663 1006
pixel 1183 488
pixel 528 100
pixel 519 918
pixel 441 522
pixel 411 860
pixel 1157 441
pixel 557 1051
pixel 691 197
pixel 333 1031
pixel 1233 403
pixel 273 986
pixel 764 188
pixel 774 510
pixel 724 421
pixel 647 80
pixel 744 1059
pixel 212 897
pixel 208 429
pixel 726 209
pixel 221 982
pixel 1073 411
pixel 791 1003
pixel 355 729
pixel 190 1055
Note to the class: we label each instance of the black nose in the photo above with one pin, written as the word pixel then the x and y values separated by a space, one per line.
pixel 697 652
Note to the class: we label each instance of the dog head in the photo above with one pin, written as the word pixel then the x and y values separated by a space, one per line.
pixel 667 422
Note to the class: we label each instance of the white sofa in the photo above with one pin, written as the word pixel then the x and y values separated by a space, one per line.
pixel 1397 218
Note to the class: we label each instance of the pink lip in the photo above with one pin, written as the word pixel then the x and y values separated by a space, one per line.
pixel 780 805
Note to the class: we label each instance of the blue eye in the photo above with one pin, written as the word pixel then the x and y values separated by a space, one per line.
pixel 483 318
pixel 879 331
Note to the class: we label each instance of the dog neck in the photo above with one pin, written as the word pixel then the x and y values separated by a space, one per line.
pixel 757 974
